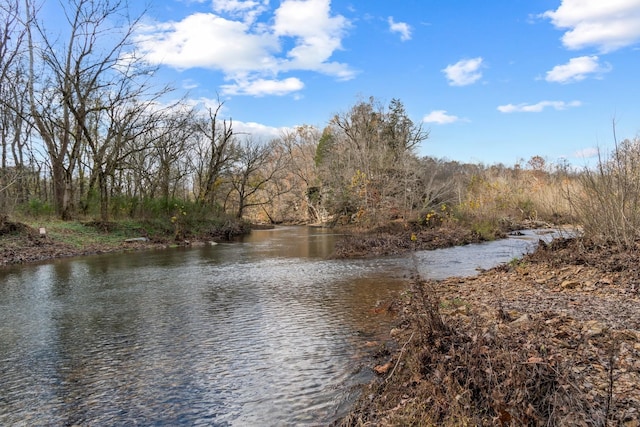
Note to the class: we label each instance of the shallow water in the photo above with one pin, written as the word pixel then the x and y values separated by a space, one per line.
pixel 265 331
pixel 468 260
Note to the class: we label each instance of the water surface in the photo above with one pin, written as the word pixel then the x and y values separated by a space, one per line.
pixel 264 331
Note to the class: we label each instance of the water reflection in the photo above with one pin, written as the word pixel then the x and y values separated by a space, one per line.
pixel 236 334
pixel 264 331
pixel 302 242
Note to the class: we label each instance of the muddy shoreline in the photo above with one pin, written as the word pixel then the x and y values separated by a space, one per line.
pixel 31 248
pixel 552 339
pixel 21 244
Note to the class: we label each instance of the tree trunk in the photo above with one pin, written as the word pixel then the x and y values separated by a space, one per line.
pixel 61 190
pixel 104 196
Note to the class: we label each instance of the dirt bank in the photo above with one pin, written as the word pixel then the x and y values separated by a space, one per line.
pixel 399 238
pixel 551 340
pixel 30 247
pixel 20 243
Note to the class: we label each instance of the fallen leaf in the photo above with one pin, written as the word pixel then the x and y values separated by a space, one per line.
pixel 382 369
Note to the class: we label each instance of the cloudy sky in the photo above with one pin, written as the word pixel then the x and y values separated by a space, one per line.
pixel 493 81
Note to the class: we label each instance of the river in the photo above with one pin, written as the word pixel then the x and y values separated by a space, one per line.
pixel 266 331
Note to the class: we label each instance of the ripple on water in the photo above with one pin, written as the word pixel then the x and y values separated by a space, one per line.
pixel 252 333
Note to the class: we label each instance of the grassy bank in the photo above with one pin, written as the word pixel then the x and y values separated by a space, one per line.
pixel 32 240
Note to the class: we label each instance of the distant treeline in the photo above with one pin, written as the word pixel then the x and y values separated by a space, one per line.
pixel 84 134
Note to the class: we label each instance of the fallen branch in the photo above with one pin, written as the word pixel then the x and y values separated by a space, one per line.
pixel 399 357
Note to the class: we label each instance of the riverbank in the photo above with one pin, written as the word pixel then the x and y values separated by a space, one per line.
pixel 552 339
pixel 399 237
pixel 23 243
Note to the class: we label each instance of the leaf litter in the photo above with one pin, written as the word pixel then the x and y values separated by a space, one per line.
pixel 553 339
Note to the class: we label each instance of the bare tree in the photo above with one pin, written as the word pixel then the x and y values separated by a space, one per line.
pixel 301 146
pixel 255 166
pixel 76 84
pixel 14 129
pixel 215 153
pixel 126 131
pixel 365 155
pixel 175 141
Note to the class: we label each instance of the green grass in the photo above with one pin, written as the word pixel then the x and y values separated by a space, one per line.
pixel 79 234
pixel 516 262
pixel 453 303
pixel 86 233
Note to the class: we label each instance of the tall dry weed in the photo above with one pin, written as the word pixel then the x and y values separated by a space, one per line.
pixel 608 203
pixel 515 195
pixel 458 372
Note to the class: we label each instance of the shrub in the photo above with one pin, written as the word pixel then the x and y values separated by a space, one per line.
pixel 36 208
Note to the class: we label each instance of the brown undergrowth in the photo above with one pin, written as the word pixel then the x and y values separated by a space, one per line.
pixel 553 340
pixel 399 238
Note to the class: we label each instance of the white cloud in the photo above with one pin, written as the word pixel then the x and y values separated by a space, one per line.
pixel 401 28
pixel 258 130
pixel 587 153
pixel 250 54
pixel 208 41
pixel 464 72
pixel 440 117
pixel 607 25
pixel 537 108
pixel 189 84
pixel 576 69
pixel 316 34
pixel 247 10
pixel 261 87
pixel 201 105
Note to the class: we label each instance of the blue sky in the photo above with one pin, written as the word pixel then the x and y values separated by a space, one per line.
pixel 493 81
